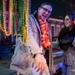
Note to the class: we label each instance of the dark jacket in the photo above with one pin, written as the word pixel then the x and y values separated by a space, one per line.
pixel 66 38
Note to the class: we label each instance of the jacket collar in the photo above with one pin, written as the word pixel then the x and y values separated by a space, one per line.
pixel 36 18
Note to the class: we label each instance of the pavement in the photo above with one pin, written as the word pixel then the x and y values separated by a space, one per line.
pixel 4 67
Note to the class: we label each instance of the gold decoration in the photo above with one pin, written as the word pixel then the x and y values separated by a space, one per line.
pixel 25 21
pixel 9 32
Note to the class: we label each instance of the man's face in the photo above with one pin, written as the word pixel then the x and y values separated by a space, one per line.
pixel 67 21
pixel 45 11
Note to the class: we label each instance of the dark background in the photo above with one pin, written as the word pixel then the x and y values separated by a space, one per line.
pixel 60 7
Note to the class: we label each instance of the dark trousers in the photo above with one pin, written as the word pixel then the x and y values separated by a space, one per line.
pixel 47 56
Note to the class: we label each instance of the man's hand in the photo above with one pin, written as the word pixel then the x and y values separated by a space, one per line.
pixel 40 62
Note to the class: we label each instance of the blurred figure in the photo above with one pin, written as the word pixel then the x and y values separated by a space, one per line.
pixel 67 43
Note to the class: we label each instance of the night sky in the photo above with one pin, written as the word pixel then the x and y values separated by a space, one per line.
pixel 60 8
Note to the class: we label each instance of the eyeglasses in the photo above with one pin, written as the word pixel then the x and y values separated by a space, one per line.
pixel 67 19
pixel 46 10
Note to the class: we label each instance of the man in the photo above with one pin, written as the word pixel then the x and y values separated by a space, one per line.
pixel 44 11
pixel 37 40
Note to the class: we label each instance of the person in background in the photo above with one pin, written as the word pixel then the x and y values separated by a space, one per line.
pixel 67 44
pixel 38 40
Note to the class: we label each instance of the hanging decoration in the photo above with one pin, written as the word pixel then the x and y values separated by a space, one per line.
pixel 25 21
pixel 1 17
pixel 15 19
pixel 46 42
pixel 0 13
pixel 17 16
pixel 21 15
pixel 10 20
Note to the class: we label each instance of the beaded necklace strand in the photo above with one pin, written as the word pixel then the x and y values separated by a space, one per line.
pixel 21 15
pixel 10 20
pixel 25 21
